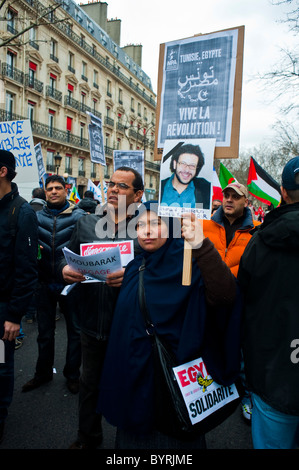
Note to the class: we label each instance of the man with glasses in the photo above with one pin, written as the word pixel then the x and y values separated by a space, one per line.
pixel 56 222
pixel 96 301
pixel 184 186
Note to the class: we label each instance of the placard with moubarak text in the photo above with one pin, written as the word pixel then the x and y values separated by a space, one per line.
pixel 199 90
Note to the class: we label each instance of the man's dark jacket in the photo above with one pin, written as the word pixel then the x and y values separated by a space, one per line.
pixel 54 233
pixel 268 275
pixel 96 300
pixel 202 191
pixel 18 257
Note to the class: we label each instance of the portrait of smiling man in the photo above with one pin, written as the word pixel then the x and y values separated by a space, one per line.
pixel 184 186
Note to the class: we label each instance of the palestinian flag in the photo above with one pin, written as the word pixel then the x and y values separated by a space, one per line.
pixel 74 196
pixel 225 176
pixel 262 186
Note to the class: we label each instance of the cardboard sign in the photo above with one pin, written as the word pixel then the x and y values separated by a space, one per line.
pixel 201 394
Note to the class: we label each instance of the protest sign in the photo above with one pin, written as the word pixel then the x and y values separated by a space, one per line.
pixel 131 158
pixel 126 249
pixel 199 90
pixel 16 137
pixel 96 141
pixel 96 266
pixel 201 394
pixel 186 178
pixel 40 161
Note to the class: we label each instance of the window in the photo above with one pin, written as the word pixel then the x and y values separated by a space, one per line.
pixel 82 127
pixel 50 160
pixel 70 89
pixel 71 62
pixel 53 50
pixel 84 71
pixel 32 38
pixel 30 113
pixel 32 73
pixel 139 109
pixel 69 122
pixel 68 164
pixel 95 79
pixel 120 96
pixel 53 79
pixel 11 20
pixel 132 105
pixel 10 58
pixel 9 105
pixel 109 88
pixel 51 119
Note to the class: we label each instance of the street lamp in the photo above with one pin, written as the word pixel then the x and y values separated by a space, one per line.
pixel 57 161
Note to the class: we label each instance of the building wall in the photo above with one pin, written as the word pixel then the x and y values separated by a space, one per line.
pixel 57 71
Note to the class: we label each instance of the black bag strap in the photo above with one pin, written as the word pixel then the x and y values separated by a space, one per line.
pixel 142 301
pixel 14 213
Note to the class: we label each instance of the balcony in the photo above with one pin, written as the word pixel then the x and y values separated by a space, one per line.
pixel 51 168
pixel 120 127
pixel 53 57
pixel 34 44
pixel 84 78
pixel 108 150
pixel 69 101
pixel 109 121
pixel 53 93
pixel 11 29
pixel 12 73
pixel 34 84
pixel 93 174
pixel 81 172
pixel 68 170
pixel 71 69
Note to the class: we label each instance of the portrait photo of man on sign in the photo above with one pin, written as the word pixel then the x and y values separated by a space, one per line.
pixel 186 175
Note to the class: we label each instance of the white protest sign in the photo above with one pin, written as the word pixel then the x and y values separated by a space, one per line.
pixel 201 394
pixel 16 137
pixel 96 266
pixel 126 249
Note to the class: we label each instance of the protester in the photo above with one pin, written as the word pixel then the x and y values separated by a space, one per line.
pixel 88 203
pixel 178 314
pixel 268 275
pixel 38 200
pixel 97 301
pixel 37 203
pixel 55 225
pixel 230 231
pixel 184 186
pixel 18 272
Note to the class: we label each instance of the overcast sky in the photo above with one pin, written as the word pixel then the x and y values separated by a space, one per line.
pixel 151 23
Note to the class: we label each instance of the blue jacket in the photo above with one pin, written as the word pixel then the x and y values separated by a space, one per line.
pixel 54 233
pixel 18 257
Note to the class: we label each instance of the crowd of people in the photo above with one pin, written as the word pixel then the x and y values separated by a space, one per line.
pixel 238 313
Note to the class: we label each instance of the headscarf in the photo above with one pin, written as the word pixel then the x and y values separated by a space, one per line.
pixel 179 316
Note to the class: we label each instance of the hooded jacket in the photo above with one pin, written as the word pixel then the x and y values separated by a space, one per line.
pixel 214 229
pixel 54 232
pixel 268 275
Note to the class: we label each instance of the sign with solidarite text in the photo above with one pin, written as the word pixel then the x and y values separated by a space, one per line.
pixel 202 395
pixel 126 249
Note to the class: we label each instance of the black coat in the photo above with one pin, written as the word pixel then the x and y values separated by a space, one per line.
pixel 54 233
pixel 18 257
pixel 268 275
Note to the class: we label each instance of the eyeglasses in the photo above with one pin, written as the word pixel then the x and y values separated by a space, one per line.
pixel 122 186
pixel 185 165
